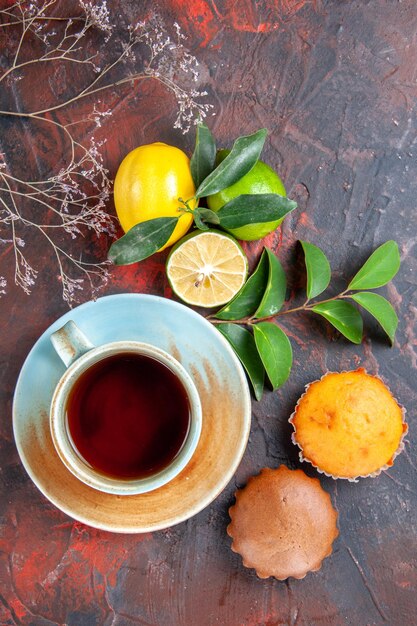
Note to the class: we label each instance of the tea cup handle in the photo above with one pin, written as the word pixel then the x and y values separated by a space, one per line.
pixel 70 343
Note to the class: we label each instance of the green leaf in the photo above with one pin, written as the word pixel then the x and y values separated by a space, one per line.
pixel 199 222
pixel 247 300
pixel 381 309
pixel 343 316
pixel 275 351
pixel 254 209
pixel 206 215
pixel 243 344
pixel 243 156
pixel 142 240
pixel 379 269
pixel 204 156
pixel 276 286
pixel 318 269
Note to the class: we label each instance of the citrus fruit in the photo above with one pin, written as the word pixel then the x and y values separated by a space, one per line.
pixel 207 268
pixel 149 182
pixel 260 179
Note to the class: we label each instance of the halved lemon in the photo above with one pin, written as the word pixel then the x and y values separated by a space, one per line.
pixel 207 268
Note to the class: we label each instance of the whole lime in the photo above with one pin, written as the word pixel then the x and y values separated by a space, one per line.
pixel 260 179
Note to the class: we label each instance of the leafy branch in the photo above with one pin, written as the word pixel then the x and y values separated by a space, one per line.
pixel 249 320
pixel 71 200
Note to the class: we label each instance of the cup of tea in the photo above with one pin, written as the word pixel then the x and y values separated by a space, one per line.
pixel 126 416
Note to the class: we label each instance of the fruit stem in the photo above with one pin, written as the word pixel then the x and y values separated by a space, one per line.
pixel 186 208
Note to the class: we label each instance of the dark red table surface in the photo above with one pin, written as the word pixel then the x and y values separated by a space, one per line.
pixel 335 85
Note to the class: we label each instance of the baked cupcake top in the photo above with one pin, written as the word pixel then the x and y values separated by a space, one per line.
pixel 348 425
pixel 283 523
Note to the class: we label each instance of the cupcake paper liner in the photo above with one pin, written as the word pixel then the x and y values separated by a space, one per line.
pixel 354 479
pixel 248 531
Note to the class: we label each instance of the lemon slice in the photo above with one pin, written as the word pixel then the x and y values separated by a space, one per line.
pixel 207 268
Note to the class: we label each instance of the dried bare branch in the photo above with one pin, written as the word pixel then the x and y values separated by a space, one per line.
pixel 72 200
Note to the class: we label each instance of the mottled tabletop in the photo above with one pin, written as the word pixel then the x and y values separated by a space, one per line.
pixel 335 85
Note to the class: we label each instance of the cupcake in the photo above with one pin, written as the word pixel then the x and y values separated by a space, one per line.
pixel 348 425
pixel 283 523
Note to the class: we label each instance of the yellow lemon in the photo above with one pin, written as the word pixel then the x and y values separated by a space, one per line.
pixel 149 182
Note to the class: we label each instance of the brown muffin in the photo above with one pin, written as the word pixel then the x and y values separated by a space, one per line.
pixel 348 424
pixel 283 523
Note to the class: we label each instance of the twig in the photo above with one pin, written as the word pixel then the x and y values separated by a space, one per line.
pixel 251 320
pixel 73 198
